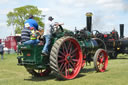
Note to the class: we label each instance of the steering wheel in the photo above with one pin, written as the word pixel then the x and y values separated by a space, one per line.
pixel 57 29
pixel 97 33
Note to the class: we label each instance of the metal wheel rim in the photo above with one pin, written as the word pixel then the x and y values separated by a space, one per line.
pixel 102 61
pixel 69 58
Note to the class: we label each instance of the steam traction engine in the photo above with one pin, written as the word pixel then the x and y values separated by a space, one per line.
pixel 114 44
pixel 68 53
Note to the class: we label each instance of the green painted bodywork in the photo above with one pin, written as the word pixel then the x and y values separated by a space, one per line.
pixel 33 59
pixel 32 56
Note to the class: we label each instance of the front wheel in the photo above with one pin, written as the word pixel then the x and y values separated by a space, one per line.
pixel 100 60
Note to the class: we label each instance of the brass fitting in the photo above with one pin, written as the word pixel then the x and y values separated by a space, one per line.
pixel 89 14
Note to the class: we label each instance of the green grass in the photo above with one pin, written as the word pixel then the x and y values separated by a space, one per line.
pixel 116 74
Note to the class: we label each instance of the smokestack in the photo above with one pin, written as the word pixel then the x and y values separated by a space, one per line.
pixel 121 30
pixel 89 21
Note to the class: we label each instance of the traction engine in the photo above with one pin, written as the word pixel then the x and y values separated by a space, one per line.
pixel 68 53
pixel 114 44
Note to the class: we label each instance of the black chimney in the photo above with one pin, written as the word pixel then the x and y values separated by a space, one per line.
pixel 89 21
pixel 121 30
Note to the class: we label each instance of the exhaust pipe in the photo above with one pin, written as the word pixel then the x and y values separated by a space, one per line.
pixel 89 21
pixel 121 30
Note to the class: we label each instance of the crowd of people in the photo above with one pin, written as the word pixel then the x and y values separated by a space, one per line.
pixel 30 33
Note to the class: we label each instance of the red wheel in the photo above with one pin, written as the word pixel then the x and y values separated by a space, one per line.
pixel 100 60
pixel 66 57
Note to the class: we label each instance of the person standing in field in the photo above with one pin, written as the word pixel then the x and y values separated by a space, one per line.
pixel 1 51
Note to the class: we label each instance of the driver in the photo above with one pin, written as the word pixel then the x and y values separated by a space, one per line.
pixel 49 25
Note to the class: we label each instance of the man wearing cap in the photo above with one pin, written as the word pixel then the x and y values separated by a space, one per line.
pixel 49 25
pixel 32 22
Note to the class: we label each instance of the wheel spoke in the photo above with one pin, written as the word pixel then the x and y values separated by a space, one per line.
pixel 68 68
pixel 66 48
pixel 74 50
pixel 61 53
pixel 99 63
pixel 99 59
pixel 71 66
pixel 98 56
pixel 61 66
pixel 60 56
pixel 73 55
pixel 69 45
pixel 102 59
pixel 62 60
pixel 103 63
pixel 76 60
pixel 63 49
pixel 66 71
pixel 70 49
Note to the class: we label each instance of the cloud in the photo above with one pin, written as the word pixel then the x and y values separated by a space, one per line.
pixel 101 4
pixel 111 4
pixel 8 2
pixel 125 6
pixel 72 12
pixel 68 2
pixel 4 1
pixel 44 9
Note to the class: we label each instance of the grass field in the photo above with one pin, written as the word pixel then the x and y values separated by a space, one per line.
pixel 116 74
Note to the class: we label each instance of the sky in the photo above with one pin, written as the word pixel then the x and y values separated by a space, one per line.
pixel 107 14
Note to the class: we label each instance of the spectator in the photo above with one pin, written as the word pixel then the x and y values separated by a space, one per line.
pixel 1 50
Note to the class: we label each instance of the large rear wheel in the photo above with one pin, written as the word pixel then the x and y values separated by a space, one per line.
pixel 66 58
pixel 100 60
